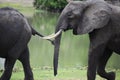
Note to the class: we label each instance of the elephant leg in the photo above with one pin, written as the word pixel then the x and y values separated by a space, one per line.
pixel 9 64
pixel 94 55
pixel 24 58
pixel 101 66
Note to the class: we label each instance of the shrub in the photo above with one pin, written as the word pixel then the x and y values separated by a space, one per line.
pixel 50 4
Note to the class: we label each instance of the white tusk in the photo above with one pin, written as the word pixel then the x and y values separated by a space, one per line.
pixel 52 35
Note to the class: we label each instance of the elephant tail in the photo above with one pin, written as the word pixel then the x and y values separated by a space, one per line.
pixel 34 32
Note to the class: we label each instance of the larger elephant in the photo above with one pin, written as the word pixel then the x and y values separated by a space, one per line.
pixel 102 22
pixel 15 33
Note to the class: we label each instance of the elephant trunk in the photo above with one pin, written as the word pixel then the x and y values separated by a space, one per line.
pixel 56 52
pixel 61 26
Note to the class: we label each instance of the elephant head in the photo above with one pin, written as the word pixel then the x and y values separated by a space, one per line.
pixel 81 17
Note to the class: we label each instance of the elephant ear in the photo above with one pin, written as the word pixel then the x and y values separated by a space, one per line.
pixel 95 16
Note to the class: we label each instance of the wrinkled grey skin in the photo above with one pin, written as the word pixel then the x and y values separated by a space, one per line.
pixel 15 33
pixel 102 22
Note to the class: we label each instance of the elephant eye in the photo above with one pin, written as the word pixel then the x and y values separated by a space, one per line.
pixel 70 15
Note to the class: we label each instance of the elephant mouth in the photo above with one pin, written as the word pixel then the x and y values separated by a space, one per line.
pixel 75 31
pixel 69 27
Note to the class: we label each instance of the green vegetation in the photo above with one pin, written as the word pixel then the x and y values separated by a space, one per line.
pixel 26 10
pixel 63 74
pixel 51 5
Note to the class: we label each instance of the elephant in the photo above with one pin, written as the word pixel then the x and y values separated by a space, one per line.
pixel 101 21
pixel 15 33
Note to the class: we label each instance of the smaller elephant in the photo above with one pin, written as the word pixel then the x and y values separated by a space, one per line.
pixel 101 21
pixel 15 33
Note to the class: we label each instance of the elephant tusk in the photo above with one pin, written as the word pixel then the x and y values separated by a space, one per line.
pixel 52 35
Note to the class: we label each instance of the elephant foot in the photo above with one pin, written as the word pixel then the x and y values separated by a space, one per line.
pixel 29 78
pixel 111 76
pixel 4 77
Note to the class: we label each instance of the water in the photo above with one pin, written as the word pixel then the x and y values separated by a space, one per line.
pixel 73 51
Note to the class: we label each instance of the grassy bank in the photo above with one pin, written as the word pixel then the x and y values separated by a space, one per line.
pixel 63 74
pixel 26 10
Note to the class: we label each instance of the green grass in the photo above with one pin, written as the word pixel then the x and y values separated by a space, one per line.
pixel 63 74
pixel 26 10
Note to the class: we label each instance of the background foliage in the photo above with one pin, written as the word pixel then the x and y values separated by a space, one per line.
pixel 58 5
pixel 52 5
